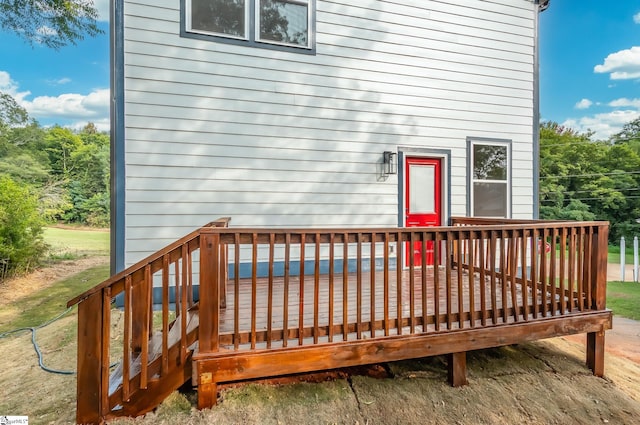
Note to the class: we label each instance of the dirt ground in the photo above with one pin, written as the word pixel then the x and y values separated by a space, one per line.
pixel 545 382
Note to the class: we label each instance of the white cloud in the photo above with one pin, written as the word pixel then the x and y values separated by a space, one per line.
pixel 103 9
pixel 636 18
pixel 583 104
pixel 624 102
pixel 603 125
pixel 622 65
pixel 68 109
pixel 59 81
pixel 7 85
pixel 70 105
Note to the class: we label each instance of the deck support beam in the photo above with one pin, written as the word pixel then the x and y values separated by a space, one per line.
pixel 457 363
pixel 595 352
pixel 207 391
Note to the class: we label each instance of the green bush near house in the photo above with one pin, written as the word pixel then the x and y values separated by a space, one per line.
pixel 21 228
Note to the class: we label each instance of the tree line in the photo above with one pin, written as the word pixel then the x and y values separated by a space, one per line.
pixel 47 175
pixel 586 179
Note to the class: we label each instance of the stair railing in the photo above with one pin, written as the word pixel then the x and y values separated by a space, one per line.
pixel 150 348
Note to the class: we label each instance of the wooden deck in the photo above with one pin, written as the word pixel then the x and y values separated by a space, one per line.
pixel 274 302
pixel 412 303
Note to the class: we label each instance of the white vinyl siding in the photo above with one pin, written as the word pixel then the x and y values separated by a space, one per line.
pixel 273 138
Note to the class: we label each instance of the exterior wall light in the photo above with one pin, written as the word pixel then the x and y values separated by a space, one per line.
pixel 389 163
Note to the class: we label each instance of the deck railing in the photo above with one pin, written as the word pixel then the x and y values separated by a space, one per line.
pixel 149 347
pixel 301 287
pixel 237 290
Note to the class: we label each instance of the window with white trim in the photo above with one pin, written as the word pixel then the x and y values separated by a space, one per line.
pixel 490 185
pixel 286 23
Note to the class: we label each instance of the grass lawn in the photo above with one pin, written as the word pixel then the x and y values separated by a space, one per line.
pixel 44 304
pixel 624 299
pixel 70 243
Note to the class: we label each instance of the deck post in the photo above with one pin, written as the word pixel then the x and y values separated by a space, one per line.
pixel 457 363
pixel 89 387
pixel 207 391
pixel 595 340
pixel 209 292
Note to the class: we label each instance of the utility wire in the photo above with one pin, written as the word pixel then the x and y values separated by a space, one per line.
pixel 623 173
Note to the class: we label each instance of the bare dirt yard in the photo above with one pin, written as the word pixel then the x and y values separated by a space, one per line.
pixel 538 383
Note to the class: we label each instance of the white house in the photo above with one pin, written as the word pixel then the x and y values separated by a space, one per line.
pixel 283 112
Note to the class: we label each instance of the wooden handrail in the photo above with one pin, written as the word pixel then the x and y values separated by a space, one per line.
pixel 156 256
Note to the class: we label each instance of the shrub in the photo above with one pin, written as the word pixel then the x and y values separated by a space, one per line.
pixel 21 227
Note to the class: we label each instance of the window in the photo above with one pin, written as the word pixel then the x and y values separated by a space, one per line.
pixel 260 23
pixel 490 179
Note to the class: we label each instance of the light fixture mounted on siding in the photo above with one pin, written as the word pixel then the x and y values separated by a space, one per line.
pixel 389 163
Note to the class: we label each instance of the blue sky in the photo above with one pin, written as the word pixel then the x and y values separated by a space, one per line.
pixel 589 65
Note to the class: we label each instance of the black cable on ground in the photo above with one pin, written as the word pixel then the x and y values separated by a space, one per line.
pixel 33 329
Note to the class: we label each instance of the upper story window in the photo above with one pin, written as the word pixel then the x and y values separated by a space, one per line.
pixel 490 184
pixel 261 23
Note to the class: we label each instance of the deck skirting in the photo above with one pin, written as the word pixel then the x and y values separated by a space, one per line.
pixel 229 366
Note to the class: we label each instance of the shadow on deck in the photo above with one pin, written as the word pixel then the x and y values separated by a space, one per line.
pixel 270 302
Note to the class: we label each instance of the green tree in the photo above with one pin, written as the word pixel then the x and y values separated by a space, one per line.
pixel 21 240
pixel 581 179
pixel 52 23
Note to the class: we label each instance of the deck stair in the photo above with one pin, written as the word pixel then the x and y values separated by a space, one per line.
pixel 230 304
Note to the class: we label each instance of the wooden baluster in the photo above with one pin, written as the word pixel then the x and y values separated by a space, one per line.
pixel 399 284
pixel 272 237
pixel 126 367
pixel 359 287
pixel 187 282
pixel 437 240
pixel 345 286
pixel 285 301
pixel 523 275
pixel 448 246
pixel 504 276
pixel 544 271
pixel 372 274
pixel 572 268
pixel 165 315
pixel 236 291
pixel 386 284
pixel 493 276
pixel 424 281
pixel 316 290
pixel 331 283
pixel 254 287
pixel 588 266
pixel 105 345
pixel 563 270
pixel 412 284
pixel 580 252
pixel 303 238
pixel 461 244
pixel 482 277
pixel 146 326
pixel 552 272
pixel 513 261
pixel 472 279
pixel 534 271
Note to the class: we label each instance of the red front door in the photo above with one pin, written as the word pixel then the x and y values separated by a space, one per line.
pixel 422 201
